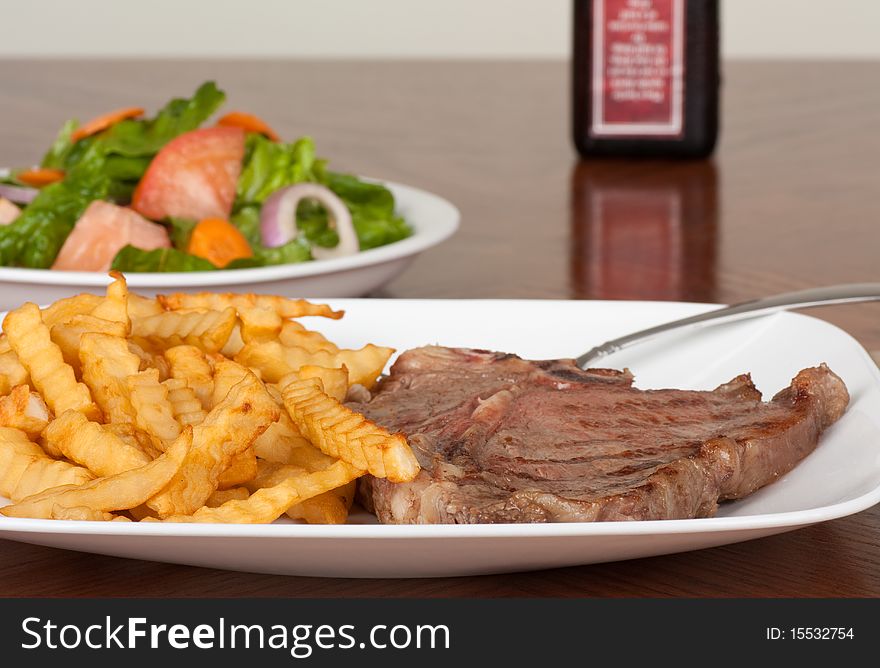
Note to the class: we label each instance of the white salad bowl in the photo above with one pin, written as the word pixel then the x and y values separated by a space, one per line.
pixel 432 218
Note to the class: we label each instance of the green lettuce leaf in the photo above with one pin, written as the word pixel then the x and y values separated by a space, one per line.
pixel 36 236
pixel 105 166
pixel 56 156
pixel 144 138
pixel 290 253
pixel 180 230
pixel 110 164
pixel 372 210
pixel 247 220
pixel 131 259
pixel 270 165
pixel 140 139
pixel 125 168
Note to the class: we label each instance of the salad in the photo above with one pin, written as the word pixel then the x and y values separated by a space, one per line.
pixel 177 192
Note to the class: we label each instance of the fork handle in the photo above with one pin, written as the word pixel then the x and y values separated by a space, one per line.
pixel 832 294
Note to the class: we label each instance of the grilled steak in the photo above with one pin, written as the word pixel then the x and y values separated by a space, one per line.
pixel 502 439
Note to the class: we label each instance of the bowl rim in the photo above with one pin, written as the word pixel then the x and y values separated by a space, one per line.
pixel 426 234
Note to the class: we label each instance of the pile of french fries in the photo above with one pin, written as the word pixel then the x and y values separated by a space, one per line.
pixel 185 408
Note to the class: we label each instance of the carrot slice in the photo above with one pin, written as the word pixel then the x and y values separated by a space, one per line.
pixel 218 241
pixel 104 121
pixel 40 176
pixel 249 123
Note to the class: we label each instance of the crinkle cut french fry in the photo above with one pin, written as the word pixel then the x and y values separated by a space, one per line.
pixel 268 503
pixel 294 335
pixel 282 438
pixel 227 374
pixel 333 380
pixel 208 330
pixel 50 374
pixel 148 449
pixel 270 474
pixel 150 358
pixel 283 306
pixel 280 441
pixel 44 473
pixel 275 361
pixel 310 458
pixel 141 307
pixel 15 440
pixel 200 369
pixel 114 306
pixel 341 432
pixel 92 445
pixel 85 514
pixel 107 362
pixel 117 492
pixel 185 404
pixel 24 410
pixel 130 435
pixel 259 324
pixel 229 428
pixel 154 413
pixel 12 370
pixel 331 507
pixel 26 470
pixel 221 496
pixel 65 309
pixel 188 363
pixel 326 508
pixel 234 343
pixel 242 468
pixel 67 335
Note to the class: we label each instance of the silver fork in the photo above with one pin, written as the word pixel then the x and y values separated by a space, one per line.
pixel 832 294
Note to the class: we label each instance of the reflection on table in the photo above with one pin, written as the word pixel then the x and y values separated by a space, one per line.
pixel 644 230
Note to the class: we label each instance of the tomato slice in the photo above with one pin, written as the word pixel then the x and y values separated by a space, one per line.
pixel 193 176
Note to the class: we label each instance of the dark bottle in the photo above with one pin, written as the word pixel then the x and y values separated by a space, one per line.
pixel 645 78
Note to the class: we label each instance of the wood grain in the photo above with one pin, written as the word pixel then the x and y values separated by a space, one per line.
pixel 789 201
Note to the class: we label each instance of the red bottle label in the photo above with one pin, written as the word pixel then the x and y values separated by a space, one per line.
pixel 637 68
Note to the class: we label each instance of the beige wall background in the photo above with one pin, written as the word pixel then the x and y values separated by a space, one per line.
pixel 399 28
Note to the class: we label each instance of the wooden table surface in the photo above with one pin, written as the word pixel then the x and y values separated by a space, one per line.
pixel 789 201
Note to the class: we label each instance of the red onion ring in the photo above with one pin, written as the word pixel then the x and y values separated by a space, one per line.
pixel 18 194
pixel 278 219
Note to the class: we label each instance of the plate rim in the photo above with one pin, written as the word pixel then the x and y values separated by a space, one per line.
pixel 423 238
pixel 788 519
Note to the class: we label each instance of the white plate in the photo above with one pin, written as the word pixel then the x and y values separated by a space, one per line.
pixel 840 478
pixel 432 218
